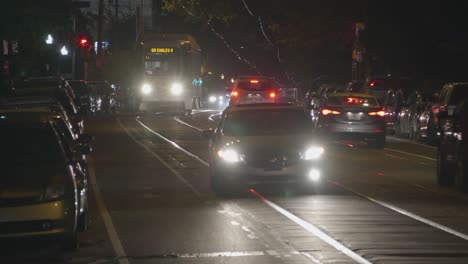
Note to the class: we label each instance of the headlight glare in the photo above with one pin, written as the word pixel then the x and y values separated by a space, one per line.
pixel 229 155
pixel 176 88
pixel 146 89
pixel 313 153
pixel 212 99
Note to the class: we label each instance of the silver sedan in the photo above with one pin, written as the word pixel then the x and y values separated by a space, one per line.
pixel 353 116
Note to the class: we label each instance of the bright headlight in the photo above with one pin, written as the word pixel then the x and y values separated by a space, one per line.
pixel 146 89
pixel 176 88
pixel 229 155
pixel 212 99
pixel 313 153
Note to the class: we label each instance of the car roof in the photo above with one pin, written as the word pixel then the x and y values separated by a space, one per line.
pixel 351 94
pixel 263 106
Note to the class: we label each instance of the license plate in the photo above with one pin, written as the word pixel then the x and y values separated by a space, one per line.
pixel 273 167
pixel 354 116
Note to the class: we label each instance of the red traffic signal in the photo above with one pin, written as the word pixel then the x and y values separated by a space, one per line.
pixel 83 42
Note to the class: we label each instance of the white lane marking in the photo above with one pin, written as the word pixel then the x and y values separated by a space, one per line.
pixel 405 212
pixel 106 218
pixel 173 144
pixel 410 154
pixel 213 115
pixel 314 260
pixel 411 142
pixel 223 254
pixel 314 230
pixel 187 124
pixel 154 154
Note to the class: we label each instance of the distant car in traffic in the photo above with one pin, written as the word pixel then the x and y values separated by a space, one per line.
pixel 254 89
pixel 449 97
pixel 413 116
pixel 353 116
pixel 52 88
pixel 263 143
pixel 83 94
pixel 43 189
pixel 103 97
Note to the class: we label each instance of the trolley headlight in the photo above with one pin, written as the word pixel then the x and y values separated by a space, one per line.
pixel 212 99
pixel 176 89
pixel 313 153
pixel 146 89
pixel 230 155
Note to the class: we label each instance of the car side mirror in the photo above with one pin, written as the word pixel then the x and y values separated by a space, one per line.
pixel 85 138
pixel 208 134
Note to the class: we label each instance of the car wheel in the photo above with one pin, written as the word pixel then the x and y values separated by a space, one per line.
pixel 461 177
pixel 445 171
pixel 70 242
pixel 83 221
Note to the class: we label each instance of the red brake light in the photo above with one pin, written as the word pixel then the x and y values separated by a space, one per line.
pixel 353 100
pixel 234 93
pixel 254 81
pixel 377 113
pixel 326 111
pixel 272 94
pixel 372 84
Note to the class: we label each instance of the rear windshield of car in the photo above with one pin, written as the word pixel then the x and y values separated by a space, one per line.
pixel 267 122
pixel 255 85
pixel 459 94
pixel 26 145
pixel 352 101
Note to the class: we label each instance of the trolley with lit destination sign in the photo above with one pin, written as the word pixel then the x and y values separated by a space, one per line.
pixel 170 64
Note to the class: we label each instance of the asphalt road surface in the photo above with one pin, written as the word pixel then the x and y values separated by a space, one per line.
pixel 151 203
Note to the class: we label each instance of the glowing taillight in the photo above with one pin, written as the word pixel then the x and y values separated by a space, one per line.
pixel 234 93
pixel 378 113
pixel 254 81
pixel 326 112
pixel 272 95
pixel 372 84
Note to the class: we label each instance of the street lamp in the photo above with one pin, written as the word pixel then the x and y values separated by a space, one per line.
pixel 64 51
pixel 49 40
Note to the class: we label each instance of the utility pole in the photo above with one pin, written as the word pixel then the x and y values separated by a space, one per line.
pixel 116 25
pixel 99 36
pixel 156 16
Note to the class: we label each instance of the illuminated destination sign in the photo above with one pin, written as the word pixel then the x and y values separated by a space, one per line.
pixel 162 50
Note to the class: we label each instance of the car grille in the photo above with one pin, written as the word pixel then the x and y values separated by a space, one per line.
pixel 271 159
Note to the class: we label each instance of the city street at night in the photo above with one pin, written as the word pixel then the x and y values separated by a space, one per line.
pixel 151 197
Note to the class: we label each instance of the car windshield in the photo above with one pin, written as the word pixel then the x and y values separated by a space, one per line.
pixel 23 144
pixel 459 94
pixel 352 101
pixel 266 122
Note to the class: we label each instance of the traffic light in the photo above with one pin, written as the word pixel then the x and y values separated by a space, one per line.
pixel 83 42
